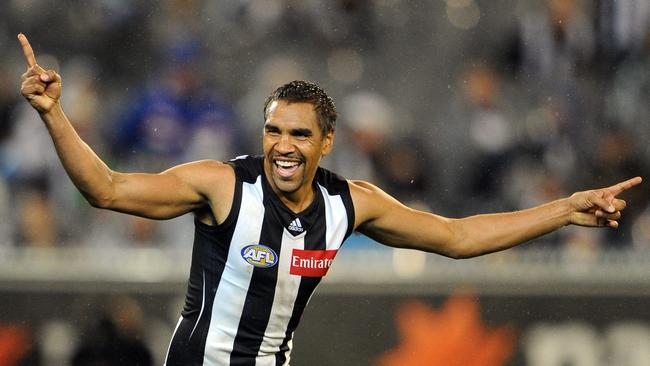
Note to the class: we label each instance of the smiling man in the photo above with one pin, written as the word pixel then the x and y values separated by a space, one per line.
pixel 269 227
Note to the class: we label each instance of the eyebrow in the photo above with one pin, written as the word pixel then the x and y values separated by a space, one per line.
pixel 294 131
pixel 301 132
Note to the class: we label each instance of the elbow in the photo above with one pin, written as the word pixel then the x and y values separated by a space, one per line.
pixel 99 199
pixel 460 255
pixel 466 250
pixel 457 253
pixel 458 247
pixel 99 202
pixel 102 197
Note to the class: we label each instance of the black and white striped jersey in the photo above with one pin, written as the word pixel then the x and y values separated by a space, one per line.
pixel 252 276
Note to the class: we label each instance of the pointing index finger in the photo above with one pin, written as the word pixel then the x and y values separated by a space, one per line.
pixel 622 186
pixel 27 50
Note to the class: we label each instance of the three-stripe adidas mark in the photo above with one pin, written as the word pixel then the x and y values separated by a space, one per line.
pixel 296 226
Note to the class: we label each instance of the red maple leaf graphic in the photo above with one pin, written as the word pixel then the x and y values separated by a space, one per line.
pixel 451 336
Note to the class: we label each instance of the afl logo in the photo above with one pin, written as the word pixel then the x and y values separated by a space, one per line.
pixel 259 255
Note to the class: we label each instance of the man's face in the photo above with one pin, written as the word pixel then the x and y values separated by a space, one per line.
pixel 293 145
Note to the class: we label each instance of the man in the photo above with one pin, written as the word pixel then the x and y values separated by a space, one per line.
pixel 268 228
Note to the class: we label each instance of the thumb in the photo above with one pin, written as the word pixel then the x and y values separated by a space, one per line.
pixel 601 202
pixel 50 76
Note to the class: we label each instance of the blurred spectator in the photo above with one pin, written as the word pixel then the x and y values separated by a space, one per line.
pixel 366 124
pixel 615 154
pixel 32 159
pixel 409 172
pixel 556 41
pixel 116 338
pixel 623 29
pixel 485 138
pixel 177 118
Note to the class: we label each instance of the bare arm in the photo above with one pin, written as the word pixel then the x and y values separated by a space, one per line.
pixel 172 193
pixel 384 219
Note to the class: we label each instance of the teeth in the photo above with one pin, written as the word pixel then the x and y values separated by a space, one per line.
pixel 286 164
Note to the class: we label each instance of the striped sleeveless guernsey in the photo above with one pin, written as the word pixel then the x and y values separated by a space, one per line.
pixel 252 276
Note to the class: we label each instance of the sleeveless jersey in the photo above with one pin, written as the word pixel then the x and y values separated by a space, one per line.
pixel 252 276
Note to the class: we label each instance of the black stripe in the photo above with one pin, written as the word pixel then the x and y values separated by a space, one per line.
pixel 346 197
pixel 315 239
pixel 261 291
pixel 209 256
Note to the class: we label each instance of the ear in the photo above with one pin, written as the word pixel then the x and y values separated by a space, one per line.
pixel 328 142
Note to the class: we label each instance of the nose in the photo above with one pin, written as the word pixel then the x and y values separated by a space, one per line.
pixel 284 145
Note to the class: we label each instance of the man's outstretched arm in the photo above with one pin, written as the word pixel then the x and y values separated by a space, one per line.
pixel 384 219
pixel 172 193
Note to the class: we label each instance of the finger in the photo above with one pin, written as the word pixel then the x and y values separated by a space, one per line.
pixel 27 50
pixel 50 76
pixel 619 204
pixel 616 189
pixel 33 89
pixel 590 220
pixel 609 216
pixel 34 70
pixel 601 202
pixel 584 219
pixel 33 79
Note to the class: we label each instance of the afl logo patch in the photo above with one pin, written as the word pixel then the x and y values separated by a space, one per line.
pixel 259 255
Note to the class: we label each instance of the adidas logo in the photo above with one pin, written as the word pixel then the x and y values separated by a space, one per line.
pixel 296 226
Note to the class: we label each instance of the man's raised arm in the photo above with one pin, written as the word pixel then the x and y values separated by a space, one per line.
pixel 165 195
pixel 384 219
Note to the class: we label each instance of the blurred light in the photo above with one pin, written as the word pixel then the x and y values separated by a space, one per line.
pixel 408 263
pixel 538 128
pixel 58 340
pixel 345 65
pixel 463 14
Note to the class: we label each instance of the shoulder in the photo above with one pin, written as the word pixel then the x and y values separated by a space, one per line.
pixel 246 167
pixel 370 201
pixel 215 181
pixel 209 168
pixel 204 175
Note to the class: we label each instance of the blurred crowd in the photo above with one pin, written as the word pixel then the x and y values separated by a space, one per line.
pixel 458 107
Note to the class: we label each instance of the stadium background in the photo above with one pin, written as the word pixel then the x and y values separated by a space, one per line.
pixel 457 106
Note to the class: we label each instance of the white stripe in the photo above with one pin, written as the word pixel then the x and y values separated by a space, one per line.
pixel 336 220
pixel 286 291
pixel 170 342
pixel 288 353
pixel 202 306
pixel 235 280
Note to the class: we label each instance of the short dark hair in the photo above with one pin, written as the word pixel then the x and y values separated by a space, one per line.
pixel 300 91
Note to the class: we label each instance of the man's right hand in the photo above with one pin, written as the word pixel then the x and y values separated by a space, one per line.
pixel 42 88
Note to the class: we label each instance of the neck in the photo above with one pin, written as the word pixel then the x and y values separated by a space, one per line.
pixel 297 200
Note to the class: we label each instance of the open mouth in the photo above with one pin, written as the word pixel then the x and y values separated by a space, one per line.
pixel 286 168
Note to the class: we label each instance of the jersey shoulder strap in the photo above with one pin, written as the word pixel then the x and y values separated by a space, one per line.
pixel 336 185
pixel 247 168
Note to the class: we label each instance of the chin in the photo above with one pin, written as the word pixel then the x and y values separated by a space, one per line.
pixel 286 186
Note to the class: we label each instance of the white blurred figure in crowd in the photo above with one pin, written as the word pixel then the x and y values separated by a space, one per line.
pixel 33 161
pixel 490 133
pixel 367 120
